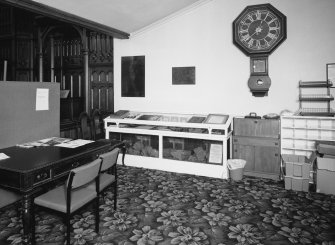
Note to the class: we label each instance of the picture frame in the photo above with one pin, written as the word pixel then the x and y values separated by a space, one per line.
pixel 183 75
pixel 133 76
pixel 216 119
pixel 330 72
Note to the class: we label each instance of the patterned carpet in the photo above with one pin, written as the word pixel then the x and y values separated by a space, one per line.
pixel 156 207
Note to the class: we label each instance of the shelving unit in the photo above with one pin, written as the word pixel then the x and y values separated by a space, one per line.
pixel 174 142
pixel 299 133
pixel 317 95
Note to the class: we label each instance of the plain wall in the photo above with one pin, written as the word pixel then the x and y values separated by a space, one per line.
pixel 202 37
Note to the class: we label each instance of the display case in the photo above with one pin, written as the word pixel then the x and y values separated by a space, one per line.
pixel 185 143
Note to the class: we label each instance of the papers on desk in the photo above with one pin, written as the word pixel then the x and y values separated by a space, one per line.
pixel 56 141
pixel 74 143
pixel 3 156
pixel 44 142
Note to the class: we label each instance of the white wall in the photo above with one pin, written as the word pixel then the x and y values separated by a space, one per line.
pixel 202 37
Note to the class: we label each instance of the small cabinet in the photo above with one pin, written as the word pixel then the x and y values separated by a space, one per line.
pixel 258 142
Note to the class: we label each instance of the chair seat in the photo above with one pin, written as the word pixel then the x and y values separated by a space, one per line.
pixel 56 198
pixel 105 180
pixel 8 197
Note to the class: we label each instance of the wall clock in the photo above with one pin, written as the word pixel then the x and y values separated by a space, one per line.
pixel 257 32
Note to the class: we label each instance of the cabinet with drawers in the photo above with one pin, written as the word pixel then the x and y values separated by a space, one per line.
pixel 258 142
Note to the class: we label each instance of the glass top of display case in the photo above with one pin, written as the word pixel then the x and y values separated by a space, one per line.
pixel 167 117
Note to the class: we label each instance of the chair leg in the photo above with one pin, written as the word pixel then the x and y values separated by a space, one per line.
pixel 68 229
pixel 123 150
pixel 115 195
pixel 33 223
pixel 97 215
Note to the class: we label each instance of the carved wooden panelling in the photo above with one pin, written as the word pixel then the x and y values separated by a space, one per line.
pixel 6 21
pixel 23 53
pixel 5 49
pixel 101 48
pixel 23 23
pixel 102 91
pixel 71 53
pixel 101 73
pixel 22 76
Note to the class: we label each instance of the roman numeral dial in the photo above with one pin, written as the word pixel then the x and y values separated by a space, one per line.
pixel 259 29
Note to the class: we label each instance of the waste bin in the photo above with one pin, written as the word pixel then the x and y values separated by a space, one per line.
pixel 236 167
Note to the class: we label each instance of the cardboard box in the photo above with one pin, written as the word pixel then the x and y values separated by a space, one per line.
pixel 325 163
pixel 325 175
pixel 297 166
pixel 296 183
pixel 325 147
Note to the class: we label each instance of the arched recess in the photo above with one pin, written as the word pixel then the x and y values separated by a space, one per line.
pixel 64 63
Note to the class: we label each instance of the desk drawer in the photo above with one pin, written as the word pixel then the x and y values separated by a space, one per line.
pixel 64 168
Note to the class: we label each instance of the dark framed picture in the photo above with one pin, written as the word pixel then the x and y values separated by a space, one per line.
pixel 133 76
pixel 183 75
pixel 331 72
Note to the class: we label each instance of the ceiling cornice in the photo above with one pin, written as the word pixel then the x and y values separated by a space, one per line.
pixel 60 15
pixel 170 17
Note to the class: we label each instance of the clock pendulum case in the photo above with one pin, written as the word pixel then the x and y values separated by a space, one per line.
pixel 257 32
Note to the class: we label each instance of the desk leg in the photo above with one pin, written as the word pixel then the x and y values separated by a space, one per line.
pixel 123 150
pixel 26 219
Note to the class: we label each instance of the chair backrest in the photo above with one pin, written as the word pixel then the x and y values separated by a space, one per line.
pixel 109 159
pixel 84 174
pixel 85 126
pixel 97 125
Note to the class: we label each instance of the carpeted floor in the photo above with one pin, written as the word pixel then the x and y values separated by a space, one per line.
pixel 156 207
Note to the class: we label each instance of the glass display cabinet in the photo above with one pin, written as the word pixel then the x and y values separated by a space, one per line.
pixel 184 143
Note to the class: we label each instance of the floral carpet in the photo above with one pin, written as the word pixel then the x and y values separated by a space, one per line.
pixel 157 207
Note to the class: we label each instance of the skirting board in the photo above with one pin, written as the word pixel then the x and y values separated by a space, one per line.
pixel 200 169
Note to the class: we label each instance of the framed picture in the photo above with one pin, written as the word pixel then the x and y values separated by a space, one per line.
pixel 216 118
pixel 133 76
pixel 331 72
pixel 183 75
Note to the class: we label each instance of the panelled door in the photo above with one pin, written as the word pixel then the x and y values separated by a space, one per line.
pixel 101 73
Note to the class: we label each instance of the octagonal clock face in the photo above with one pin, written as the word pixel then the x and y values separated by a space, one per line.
pixel 259 29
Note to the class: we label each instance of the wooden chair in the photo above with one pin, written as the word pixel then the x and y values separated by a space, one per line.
pixel 108 172
pixel 85 126
pixel 8 197
pixel 73 195
pixel 97 125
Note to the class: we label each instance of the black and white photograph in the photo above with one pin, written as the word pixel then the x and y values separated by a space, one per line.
pixel 157 122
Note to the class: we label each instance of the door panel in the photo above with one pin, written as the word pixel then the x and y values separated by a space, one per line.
pixel 267 159
pixel 245 152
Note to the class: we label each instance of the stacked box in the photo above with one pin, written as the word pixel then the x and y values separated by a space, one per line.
pixel 297 172
pixel 296 183
pixel 325 175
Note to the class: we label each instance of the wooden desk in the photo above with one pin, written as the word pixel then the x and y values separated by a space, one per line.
pixel 29 171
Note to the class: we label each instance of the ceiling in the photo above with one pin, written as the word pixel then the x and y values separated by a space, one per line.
pixel 126 15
